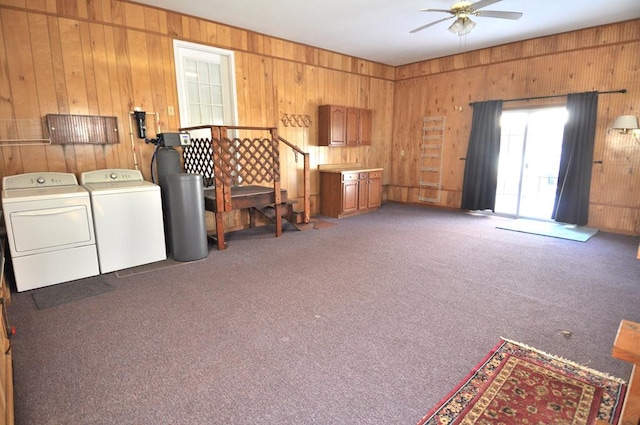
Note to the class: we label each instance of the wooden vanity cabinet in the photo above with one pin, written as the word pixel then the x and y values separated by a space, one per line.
pixel 350 192
pixel 343 126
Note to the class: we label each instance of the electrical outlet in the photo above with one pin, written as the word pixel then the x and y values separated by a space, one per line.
pixel 170 110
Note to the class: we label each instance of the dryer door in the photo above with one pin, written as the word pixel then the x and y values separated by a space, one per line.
pixel 40 230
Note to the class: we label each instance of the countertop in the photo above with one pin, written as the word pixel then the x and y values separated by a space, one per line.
pixel 346 168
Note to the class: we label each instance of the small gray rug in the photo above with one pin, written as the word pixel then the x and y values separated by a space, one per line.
pixel 63 293
pixel 551 228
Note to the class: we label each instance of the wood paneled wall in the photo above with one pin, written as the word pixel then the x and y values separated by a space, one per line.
pixel 597 59
pixel 106 57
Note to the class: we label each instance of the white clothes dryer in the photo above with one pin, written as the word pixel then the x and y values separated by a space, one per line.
pixel 49 225
pixel 127 216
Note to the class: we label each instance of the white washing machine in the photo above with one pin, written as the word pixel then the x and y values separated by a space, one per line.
pixel 127 216
pixel 50 231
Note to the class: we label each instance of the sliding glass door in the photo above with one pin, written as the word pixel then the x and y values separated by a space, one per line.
pixel 530 149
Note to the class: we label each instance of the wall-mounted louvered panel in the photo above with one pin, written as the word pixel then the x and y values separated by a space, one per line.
pixel 85 129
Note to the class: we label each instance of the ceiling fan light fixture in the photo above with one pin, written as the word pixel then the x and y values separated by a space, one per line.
pixel 467 26
pixel 457 26
pixel 462 26
pixel 462 11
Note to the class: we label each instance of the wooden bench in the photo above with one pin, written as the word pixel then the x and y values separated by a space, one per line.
pixel 245 169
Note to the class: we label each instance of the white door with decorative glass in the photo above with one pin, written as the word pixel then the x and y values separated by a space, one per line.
pixel 206 85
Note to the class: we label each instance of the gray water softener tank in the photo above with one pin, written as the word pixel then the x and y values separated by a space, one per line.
pixel 185 217
pixel 167 162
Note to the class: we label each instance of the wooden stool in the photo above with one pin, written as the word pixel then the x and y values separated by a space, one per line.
pixel 627 347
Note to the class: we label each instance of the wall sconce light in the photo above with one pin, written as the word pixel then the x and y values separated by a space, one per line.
pixel 625 124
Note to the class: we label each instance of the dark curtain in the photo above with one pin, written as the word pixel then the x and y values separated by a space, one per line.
pixel 481 166
pixel 574 176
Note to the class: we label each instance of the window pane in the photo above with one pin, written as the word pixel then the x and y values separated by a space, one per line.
pixel 194 114
pixel 207 114
pixel 218 116
pixel 192 92
pixel 214 69
pixel 217 95
pixel 205 94
pixel 203 72
pixel 190 69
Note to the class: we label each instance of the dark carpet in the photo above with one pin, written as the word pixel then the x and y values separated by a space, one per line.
pixel 323 224
pixel 51 296
pixel 371 321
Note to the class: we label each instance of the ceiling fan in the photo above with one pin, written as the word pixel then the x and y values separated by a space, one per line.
pixel 463 10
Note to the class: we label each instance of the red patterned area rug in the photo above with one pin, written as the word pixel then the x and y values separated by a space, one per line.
pixel 517 384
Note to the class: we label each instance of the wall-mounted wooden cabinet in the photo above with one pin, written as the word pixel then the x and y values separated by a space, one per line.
pixel 349 192
pixel 343 126
pixel 359 126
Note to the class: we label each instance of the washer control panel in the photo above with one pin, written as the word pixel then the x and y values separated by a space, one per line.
pixel 111 176
pixel 36 180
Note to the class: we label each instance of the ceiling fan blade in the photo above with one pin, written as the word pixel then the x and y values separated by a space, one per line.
pixel 429 24
pixel 483 3
pixel 499 14
pixel 435 10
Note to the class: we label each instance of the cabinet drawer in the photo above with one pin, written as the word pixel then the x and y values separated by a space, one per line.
pixel 348 177
pixel 375 174
pixel 363 176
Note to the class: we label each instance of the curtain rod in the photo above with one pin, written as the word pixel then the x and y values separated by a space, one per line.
pixel 555 95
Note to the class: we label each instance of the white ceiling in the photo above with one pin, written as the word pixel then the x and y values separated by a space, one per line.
pixel 378 30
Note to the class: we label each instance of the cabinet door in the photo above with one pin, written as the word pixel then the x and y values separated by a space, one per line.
pixel 349 192
pixel 375 189
pixel 366 126
pixel 353 126
pixel 363 190
pixel 359 126
pixel 332 125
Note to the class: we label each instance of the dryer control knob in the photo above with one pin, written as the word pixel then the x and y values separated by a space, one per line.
pixel 40 180
pixel 113 176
